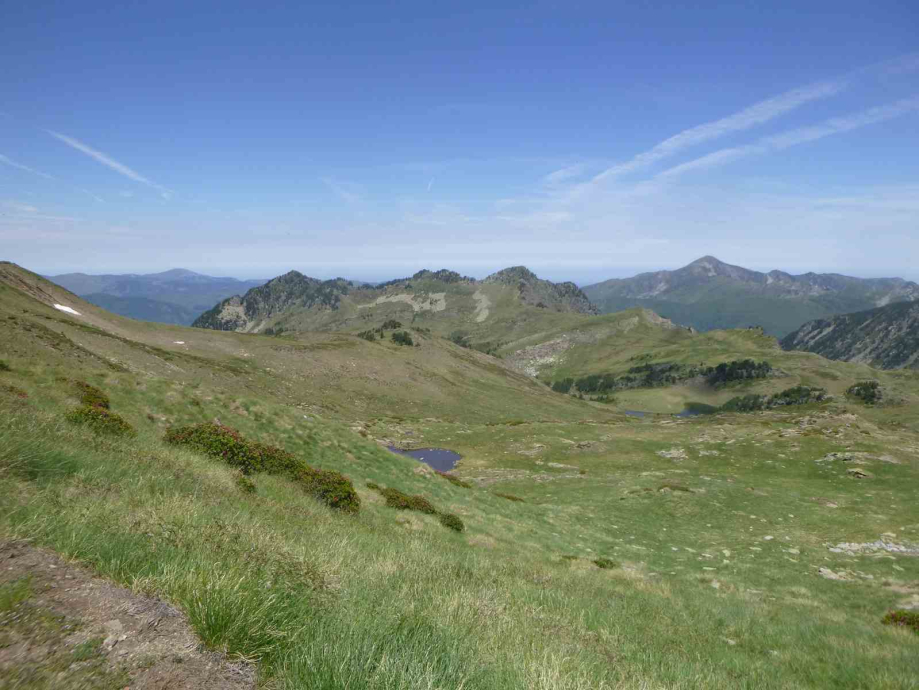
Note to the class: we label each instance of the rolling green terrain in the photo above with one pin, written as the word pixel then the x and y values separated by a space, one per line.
pixel 597 550
pixel 709 294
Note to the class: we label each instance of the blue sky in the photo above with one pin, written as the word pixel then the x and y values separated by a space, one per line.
pixel 585 140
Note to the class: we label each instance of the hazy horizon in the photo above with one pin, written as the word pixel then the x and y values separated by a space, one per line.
pixel 586 142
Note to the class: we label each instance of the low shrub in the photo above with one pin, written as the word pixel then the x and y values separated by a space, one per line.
pixel 331 487
pixel 509 497
pixel 4 366
pixel 605 563
pixel 451 521
pixel 92 396
pixel 869 392
pixel 227 444
pixel 906 619
pixel 402 501
pixel 453 479
pixel 100 420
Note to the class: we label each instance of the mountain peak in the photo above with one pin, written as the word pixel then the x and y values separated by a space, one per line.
pixel 511 275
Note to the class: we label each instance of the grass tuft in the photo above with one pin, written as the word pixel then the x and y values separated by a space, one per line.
pixel 4 366
pixel 605 563
pixel 509 497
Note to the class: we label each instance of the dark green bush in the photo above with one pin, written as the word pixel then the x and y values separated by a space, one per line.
pixel 402 501
pixel 228 445
pixel 370 336
pixel 331 487
pixel 390 324
pixel 906 619
pixel 798 395
pixel 373 485
pixel 605 563
pixel 510 497
pixel 451 521
pixel 4 366
pixel 453 479
pixel 92 396
pixel 869 392
pixel 100 420
pixel 738 370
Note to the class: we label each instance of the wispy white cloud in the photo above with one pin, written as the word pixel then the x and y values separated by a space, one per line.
pixel 430 184
pixel 800 135
pixel 19 206
pixel 110 162
pixel 346 192
pixel 564 174
pixel 749 117
pixel 13 164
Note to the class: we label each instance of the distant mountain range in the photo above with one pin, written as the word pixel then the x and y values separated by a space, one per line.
pixel 503 306
pixel 710 294
pixel 886 337
pixel 176 296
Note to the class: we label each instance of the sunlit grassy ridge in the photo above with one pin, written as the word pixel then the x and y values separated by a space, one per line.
pixel 692 591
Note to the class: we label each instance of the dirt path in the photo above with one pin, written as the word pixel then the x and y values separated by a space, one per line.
pixel 61 627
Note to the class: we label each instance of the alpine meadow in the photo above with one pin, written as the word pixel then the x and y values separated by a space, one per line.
pixel 459 346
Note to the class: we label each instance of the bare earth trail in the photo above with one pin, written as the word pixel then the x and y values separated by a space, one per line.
pixel 73 628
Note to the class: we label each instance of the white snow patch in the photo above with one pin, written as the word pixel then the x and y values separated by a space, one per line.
pixel 69 310
pixel 178 342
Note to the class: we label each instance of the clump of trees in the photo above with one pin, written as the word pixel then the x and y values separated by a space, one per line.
pixel 798 395
pixel 869 392
pixel 402 338
pixel 738 370
pixel 657 374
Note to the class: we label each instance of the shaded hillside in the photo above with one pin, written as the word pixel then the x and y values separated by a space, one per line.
pixel 886 337
pixel 143 308
pixel 174 296
pixel 710 294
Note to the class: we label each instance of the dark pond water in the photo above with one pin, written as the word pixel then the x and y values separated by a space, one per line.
pixel 439 458
pixel 691 410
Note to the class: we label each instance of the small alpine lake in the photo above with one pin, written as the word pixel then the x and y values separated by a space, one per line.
pixel 440 459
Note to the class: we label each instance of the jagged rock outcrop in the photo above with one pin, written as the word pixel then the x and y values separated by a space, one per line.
pixel 543 293
pixel 249 312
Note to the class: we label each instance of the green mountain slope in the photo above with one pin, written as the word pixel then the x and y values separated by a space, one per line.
pixel 709 294
pixel 886 337
pixel 597 550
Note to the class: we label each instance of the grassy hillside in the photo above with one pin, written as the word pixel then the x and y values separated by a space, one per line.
pixel 599 551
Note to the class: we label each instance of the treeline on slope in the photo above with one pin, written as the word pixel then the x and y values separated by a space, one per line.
pixel 658 374
pixel 798 395
pixel 489 347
